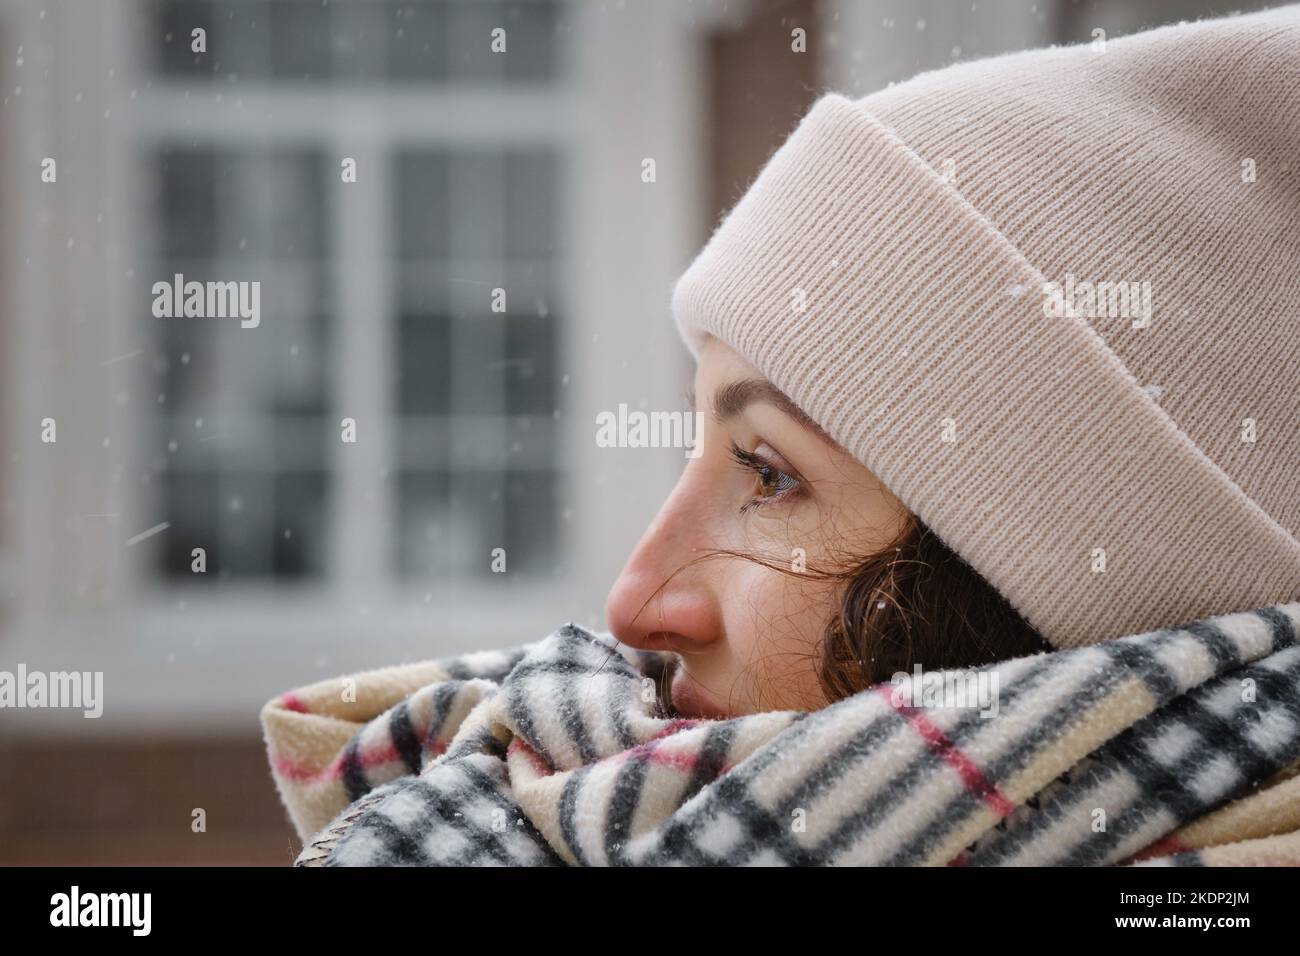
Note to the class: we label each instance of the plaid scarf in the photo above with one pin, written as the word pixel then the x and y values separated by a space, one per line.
pixel 1179 746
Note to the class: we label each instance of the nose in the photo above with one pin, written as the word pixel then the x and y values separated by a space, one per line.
pixel 661 600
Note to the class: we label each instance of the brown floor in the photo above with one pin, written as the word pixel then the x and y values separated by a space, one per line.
pixel 131 803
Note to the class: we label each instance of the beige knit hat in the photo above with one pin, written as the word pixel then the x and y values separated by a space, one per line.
pixel 1052 300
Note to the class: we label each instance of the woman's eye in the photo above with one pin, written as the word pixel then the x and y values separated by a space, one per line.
pixel 771 482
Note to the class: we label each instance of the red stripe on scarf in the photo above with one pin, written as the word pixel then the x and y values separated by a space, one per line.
pixel 290 701
pixel 540 765
pixel 663 757
pixel 300 773
pixel 651 752
pixel 971 775
pixel 647 750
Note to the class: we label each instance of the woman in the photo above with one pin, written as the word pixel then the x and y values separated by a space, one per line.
pixel 997 374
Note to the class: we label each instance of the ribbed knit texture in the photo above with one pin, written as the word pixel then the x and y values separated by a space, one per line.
pixel 917 228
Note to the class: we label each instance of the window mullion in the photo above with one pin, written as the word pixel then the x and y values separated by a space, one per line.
pixel 360 499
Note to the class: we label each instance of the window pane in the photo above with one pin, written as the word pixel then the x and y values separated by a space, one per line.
pixel 173 22
pixel 424 375
pixel 184 381
pixel 533 29
pixel 531 181
pixel 236 38
pixel 359 41
pixel 242 438
pixel 187 196
pixel 299 526
pixel 189 501
pixel 477 181
pixel 417 40
pixel 271 203
pixel 296 213
pixel 531 524
pixel 421 204
pixel 244 519
pixel 300 39
pixel 530 364
pixel 470 26
pixel 480 366
pixel 453 521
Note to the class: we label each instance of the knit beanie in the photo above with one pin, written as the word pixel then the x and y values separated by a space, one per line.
pixel 1052 301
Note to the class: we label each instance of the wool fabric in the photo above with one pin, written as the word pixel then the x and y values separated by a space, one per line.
pixel 1052 301
pixel 560 752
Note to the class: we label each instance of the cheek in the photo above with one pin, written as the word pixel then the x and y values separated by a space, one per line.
pixel 775 627
pixel 769 612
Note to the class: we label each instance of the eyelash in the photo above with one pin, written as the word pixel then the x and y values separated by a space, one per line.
pixel 761 467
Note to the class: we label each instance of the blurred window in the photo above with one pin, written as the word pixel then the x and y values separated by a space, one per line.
pixel 476 391
pixel 248 421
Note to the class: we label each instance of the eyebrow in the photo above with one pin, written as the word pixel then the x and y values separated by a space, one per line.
pixel 733 398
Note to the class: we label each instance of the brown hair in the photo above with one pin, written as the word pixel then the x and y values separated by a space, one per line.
pixel 917 602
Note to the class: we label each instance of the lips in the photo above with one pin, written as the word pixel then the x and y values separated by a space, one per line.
pixel 692 700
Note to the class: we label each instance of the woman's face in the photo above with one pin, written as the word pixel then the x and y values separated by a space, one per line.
pixel 748 636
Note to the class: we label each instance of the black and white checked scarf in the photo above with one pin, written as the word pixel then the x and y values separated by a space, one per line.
pixel 559 753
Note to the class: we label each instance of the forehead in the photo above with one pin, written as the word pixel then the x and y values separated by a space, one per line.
pixel 730 384
pixel 717 357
